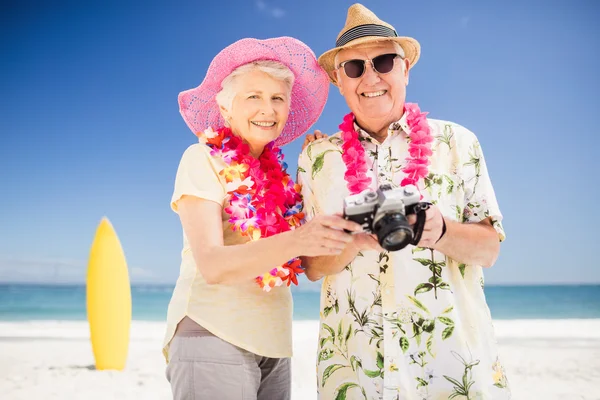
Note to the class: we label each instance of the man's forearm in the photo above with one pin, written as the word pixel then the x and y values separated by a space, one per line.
pixel 318 267
pixel 470 243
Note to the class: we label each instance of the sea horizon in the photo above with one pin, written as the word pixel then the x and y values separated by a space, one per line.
pixel 67 301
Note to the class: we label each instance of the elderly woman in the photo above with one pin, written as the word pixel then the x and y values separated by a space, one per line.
pixel 230 316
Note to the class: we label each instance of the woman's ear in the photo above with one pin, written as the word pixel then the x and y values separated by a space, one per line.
pixel 226 114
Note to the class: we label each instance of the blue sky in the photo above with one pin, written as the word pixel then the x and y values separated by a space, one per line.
pixel 89 122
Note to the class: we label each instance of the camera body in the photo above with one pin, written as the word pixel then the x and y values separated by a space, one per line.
pixel 384 213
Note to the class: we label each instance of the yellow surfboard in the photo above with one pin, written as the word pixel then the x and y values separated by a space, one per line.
pixel 108 299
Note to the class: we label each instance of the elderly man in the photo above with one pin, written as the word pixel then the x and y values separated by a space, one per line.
pixel 403 311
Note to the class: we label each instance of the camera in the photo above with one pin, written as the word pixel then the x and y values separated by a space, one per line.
pixel 384 213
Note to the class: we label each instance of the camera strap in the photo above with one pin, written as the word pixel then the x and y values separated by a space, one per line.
pixel 420 211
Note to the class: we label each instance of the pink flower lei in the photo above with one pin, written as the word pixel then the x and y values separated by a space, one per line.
pixel 419 149
pixel 263 199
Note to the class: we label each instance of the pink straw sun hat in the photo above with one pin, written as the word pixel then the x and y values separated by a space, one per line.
pixel 199 108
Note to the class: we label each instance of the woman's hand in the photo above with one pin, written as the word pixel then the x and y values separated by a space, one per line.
pixel 324 235
pixel 312 137
pixel 333 263
pixel 367 241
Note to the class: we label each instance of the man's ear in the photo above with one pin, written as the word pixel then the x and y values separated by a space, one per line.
pixel 406 70
pixel 337 76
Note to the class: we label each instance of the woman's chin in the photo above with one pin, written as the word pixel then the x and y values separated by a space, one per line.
pixel 262 138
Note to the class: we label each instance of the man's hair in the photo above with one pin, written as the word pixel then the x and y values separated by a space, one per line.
pixel 273 68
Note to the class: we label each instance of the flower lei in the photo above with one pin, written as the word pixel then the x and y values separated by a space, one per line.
pixel 263 201
pixel 419 149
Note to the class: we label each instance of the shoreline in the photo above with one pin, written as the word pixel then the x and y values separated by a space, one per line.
pixel 585 328
pixel 544 359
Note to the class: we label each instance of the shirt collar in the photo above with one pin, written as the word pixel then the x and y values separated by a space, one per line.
pixel 394 129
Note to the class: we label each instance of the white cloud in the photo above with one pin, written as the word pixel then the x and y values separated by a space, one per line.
pixel 37 269
pixel 59 270
pixel 33 262
pixel 272 11
pixel 141 273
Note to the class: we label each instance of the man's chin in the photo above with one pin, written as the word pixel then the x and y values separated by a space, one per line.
pixel 373 113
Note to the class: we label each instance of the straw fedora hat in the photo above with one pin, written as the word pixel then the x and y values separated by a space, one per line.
pixel 363 26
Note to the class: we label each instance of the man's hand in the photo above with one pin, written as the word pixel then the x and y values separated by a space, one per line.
pixel 434 224
pixel 474 243
pixel 312 137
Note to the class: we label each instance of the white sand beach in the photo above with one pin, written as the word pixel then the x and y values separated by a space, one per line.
pixel 545 360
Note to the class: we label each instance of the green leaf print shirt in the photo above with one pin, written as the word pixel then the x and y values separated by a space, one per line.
pixel 411 324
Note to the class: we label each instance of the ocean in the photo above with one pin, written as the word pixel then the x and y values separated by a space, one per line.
pixel 23 302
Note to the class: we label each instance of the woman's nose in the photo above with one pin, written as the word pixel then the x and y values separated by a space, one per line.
pixel 267 109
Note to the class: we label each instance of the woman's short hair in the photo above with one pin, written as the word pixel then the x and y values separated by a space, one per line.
pixel 273 68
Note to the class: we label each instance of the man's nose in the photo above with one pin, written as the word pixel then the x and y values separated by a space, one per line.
pixel 370 75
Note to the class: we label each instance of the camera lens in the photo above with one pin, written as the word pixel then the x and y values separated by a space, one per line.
pixel 396 237
pixel 393 232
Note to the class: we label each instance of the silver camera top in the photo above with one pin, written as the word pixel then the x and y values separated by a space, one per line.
pixel 386 199
pixel 360 203
pixel 392 199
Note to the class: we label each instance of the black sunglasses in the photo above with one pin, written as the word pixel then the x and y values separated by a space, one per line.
pixel 382 64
